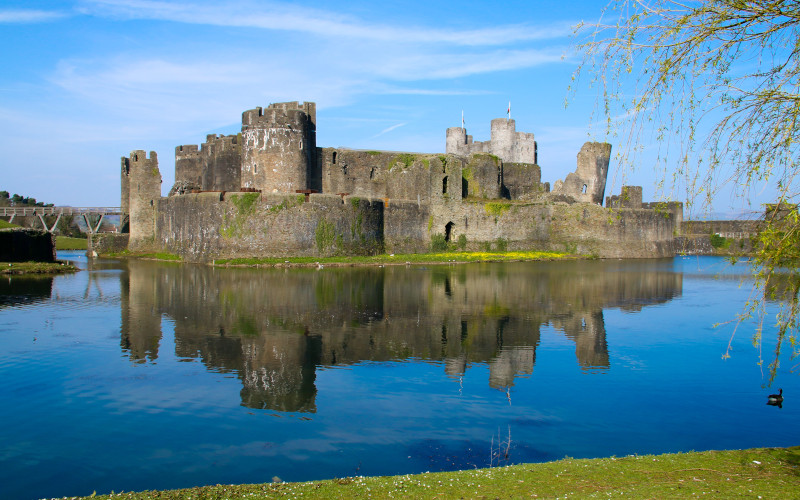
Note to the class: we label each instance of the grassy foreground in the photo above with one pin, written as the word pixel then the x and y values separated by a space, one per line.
pixel 755 473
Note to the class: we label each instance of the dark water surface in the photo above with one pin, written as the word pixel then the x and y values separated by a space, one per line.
pixel 141 375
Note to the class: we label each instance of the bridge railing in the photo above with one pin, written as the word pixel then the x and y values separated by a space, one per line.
pixel 34 211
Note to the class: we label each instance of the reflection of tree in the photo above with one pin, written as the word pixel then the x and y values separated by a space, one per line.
pixel 272 328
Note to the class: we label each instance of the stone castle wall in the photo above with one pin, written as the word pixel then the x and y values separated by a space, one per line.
pixel 207 226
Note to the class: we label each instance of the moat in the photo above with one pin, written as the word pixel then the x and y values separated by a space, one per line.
pixel 136 375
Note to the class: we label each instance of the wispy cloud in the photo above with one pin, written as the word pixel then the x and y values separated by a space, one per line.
pixel 23 16
pixel 388 129
pixel 287 17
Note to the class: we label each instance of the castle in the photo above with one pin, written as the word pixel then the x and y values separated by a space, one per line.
pixel 271 191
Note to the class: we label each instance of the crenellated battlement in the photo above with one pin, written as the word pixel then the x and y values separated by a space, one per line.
pixel 187 149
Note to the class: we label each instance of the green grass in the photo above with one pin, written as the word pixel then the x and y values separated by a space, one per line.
pixel 160 256
pixel 6 224
pixel 68 243
pixel 35 267
pixel 754 473
pixel 413 258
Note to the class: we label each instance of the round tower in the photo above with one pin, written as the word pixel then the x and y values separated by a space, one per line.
pixel 456 141
pixel 503 137
pixel 279 147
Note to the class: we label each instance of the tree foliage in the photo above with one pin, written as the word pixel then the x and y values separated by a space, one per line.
pixel 716 83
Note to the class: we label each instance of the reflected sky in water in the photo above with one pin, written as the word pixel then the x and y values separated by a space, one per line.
pixel 138 375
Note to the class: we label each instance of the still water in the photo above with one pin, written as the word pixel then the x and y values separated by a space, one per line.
pixel 141 375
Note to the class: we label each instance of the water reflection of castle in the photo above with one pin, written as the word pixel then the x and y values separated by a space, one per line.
pixel 273 328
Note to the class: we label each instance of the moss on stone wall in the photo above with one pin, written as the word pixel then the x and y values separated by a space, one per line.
pixel 245 207
pixel 497 208
pixel 406 159
pixel 245 203
pixel 288 203
pixel 326 237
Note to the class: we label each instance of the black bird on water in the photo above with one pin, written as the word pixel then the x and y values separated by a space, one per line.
pixel 776 399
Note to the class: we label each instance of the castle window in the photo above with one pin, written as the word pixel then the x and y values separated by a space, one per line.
pixel 301 144
pixel 584 189
pixel 333 159
pixel 444 185
pixel 255 169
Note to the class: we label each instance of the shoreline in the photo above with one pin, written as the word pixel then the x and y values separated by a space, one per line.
pixel 754 473
pixel 36 268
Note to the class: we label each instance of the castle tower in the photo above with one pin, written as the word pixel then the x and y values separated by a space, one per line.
pixel 142 181
pixel 279 150
pixel 188 168
pixel 457 141
pixel 222 163
pixel 502 138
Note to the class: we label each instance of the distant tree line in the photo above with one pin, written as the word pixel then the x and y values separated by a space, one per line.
pixel 16 200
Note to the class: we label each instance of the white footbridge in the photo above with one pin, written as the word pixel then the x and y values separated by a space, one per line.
pixel 57 212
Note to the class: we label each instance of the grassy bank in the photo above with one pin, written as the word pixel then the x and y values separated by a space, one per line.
pixel 68 243
pixel 392 259
pixel 755 473
pixel 36 267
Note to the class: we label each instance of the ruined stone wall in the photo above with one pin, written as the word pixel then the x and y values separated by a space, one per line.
pixel 106 243
pixel 523 180
pixel 406 226
pixel 206 226
pixel 142 179
pixel 482 177
pixel 587 183
pixel 629 197
pixel 422 178
pixel 279 153
pixel 485 224
pixel 736 229
pixel 617 233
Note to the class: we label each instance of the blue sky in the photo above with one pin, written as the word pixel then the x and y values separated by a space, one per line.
pixel 85 82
